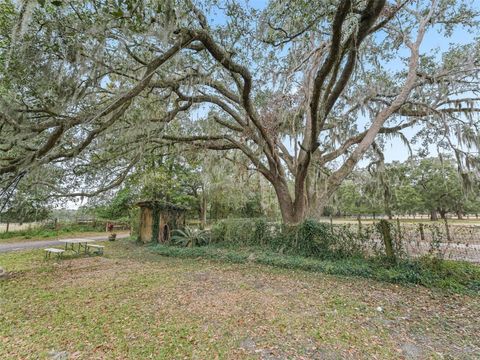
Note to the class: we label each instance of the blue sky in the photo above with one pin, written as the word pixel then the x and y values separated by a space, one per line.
pixel 395 149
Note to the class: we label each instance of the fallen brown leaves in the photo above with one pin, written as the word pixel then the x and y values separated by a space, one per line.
pixel 134 305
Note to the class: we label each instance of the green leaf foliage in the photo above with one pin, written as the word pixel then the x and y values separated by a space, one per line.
pixel 190 237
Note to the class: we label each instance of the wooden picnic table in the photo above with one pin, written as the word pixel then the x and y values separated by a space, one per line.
pixel 70 244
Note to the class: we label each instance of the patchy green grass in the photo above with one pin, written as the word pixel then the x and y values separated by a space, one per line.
pixel 134 304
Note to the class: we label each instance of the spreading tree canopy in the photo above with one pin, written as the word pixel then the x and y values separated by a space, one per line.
pixel 303 90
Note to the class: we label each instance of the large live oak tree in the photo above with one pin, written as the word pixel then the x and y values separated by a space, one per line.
pixel 303 90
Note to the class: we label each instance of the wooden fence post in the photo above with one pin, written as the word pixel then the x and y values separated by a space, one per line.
pixel 447 229
pixel 422 231
pixel 399 230
pixel 384 228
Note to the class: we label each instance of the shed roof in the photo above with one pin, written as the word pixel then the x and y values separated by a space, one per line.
pixel 163 205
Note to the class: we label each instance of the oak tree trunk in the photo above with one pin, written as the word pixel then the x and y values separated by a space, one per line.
pixel 293 212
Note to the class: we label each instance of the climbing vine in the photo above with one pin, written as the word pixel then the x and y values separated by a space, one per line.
pixel 156 223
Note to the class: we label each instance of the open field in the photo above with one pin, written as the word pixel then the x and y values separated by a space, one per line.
pixel 133 304
pixel 18 226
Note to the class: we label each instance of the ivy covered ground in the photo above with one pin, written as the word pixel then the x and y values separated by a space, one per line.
pixel 134 303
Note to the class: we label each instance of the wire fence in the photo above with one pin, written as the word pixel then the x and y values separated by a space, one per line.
pixel 439 239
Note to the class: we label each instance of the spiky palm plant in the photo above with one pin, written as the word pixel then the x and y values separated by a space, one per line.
pixel 189 237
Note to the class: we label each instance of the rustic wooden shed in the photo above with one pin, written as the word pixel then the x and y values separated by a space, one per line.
pixel 158 219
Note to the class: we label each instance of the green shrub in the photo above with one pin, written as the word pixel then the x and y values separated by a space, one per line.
pixel 352 243
pixel 190 237
pixel 243 232
pixel 319 247
pixel 310 238
pixel 452 276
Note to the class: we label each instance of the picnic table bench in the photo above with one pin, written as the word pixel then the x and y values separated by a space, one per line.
pixel 50 251
pixel 77 246
pixel 98 248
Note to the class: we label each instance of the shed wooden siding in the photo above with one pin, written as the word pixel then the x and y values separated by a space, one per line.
pixel 170 217
pixel 146 222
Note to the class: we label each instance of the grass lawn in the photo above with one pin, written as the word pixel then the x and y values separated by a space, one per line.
pixel 135 304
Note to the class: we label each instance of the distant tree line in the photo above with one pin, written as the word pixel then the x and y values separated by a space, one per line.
pixel 215 187
pixel 417 186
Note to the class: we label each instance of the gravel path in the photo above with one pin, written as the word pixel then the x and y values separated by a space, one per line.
pixel 36 244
